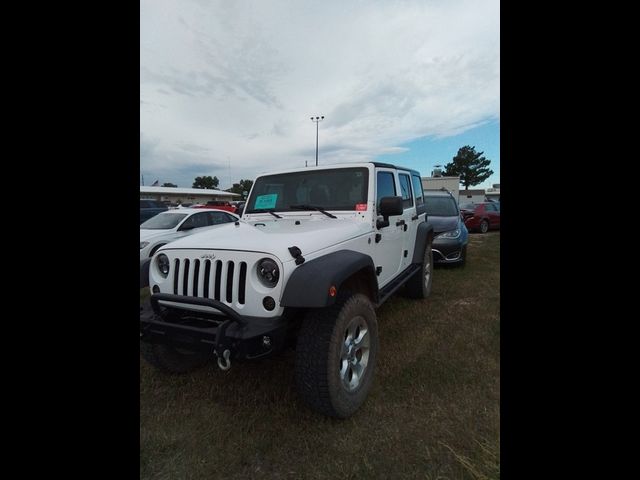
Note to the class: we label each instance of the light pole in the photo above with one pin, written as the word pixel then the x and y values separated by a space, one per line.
pixel 317 120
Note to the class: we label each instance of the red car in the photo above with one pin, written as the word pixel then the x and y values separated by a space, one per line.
pixel 481 217
pixel 219 205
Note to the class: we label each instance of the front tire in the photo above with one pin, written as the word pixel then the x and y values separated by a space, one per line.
pixel 419 286
pixel 336 355
pixel 484 226
pixel 463 254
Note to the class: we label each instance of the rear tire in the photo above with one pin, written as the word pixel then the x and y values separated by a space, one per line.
pixel 419 285
pixel 336 355
pixel 169 360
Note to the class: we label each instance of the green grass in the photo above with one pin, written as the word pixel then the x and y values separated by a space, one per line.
pixel 433 413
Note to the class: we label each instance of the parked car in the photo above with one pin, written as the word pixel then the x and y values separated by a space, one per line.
pixel 150 208
pixel 450 233
pixel 239 207
pixel 173 224
pixel 481 217
pixel 218 204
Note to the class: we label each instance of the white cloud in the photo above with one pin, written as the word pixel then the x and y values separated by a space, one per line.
pixel 236 82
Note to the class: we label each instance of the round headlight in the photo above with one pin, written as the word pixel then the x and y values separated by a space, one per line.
pixel 268 272
pixel 163 264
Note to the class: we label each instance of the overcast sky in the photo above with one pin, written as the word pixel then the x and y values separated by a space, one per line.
pixel 227 88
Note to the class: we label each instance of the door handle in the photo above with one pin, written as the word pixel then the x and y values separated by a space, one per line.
pixel 415 217
pixel 400 222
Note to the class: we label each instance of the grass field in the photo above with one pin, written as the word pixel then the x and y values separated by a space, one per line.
pixel 433 412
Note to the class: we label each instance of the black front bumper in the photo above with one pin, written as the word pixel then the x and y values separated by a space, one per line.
pixel 448 250
pixel 215 332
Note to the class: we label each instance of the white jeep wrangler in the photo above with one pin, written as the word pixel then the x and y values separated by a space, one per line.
pixel 316 251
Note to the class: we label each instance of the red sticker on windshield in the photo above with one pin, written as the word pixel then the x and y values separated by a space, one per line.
pixel 361 207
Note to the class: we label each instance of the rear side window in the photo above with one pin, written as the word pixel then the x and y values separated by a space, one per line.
pixel 405 189
pixel 216 218
pixel 197 220
pixel 417 188
pixel 386 186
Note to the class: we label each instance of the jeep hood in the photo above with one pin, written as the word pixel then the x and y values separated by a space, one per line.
pixel 274 236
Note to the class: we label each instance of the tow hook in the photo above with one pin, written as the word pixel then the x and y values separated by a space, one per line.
pixel 224 363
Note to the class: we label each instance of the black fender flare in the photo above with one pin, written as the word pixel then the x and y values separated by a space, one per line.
pixel 308 285
pixel 423 233
pixel 144 272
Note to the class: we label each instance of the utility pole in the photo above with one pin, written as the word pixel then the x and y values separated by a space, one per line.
pixel 317 120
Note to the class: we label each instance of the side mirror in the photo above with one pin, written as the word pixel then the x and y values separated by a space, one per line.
pixel 389 206
pixel 189 226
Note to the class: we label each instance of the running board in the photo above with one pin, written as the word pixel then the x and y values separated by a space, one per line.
pixel 400 280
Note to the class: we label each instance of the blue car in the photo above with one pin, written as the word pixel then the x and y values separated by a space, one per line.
pixel 450 233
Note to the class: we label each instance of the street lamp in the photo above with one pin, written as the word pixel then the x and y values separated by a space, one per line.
pixel 317 120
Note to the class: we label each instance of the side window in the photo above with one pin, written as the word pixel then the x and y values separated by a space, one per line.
pixel 198 220
pixel 229 218
pixel 187 223
pixel 216 218
pixel 405 188
pixel 386 186
pixel 417 188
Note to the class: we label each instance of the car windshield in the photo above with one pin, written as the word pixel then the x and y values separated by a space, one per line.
pixel 337 189
pixel 163 221
pixel 467 206
pixel 441 206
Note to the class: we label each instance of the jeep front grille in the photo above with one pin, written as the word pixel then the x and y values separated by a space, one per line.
pixel 217 279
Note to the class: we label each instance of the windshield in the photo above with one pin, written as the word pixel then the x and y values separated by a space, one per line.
pixel 468 206
pixel 441 206
pixel 337 189
pixel 163 221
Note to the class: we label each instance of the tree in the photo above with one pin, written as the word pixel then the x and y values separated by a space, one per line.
pixel 243 186
pixel 169 184
pixel 207 182
pixel 471 166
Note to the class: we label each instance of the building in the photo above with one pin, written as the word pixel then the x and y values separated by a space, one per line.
pixel 185 195
pixel 438 182
pixel 493 194
pixel 471 196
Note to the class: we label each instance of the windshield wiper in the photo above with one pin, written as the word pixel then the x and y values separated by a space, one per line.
pixel 265 210
pixel 312 207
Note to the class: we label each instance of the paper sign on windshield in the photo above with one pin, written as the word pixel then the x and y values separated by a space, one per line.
pixel 266 201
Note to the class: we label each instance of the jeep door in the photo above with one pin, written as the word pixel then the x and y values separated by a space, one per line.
pixel 414 212
pixel 387 253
